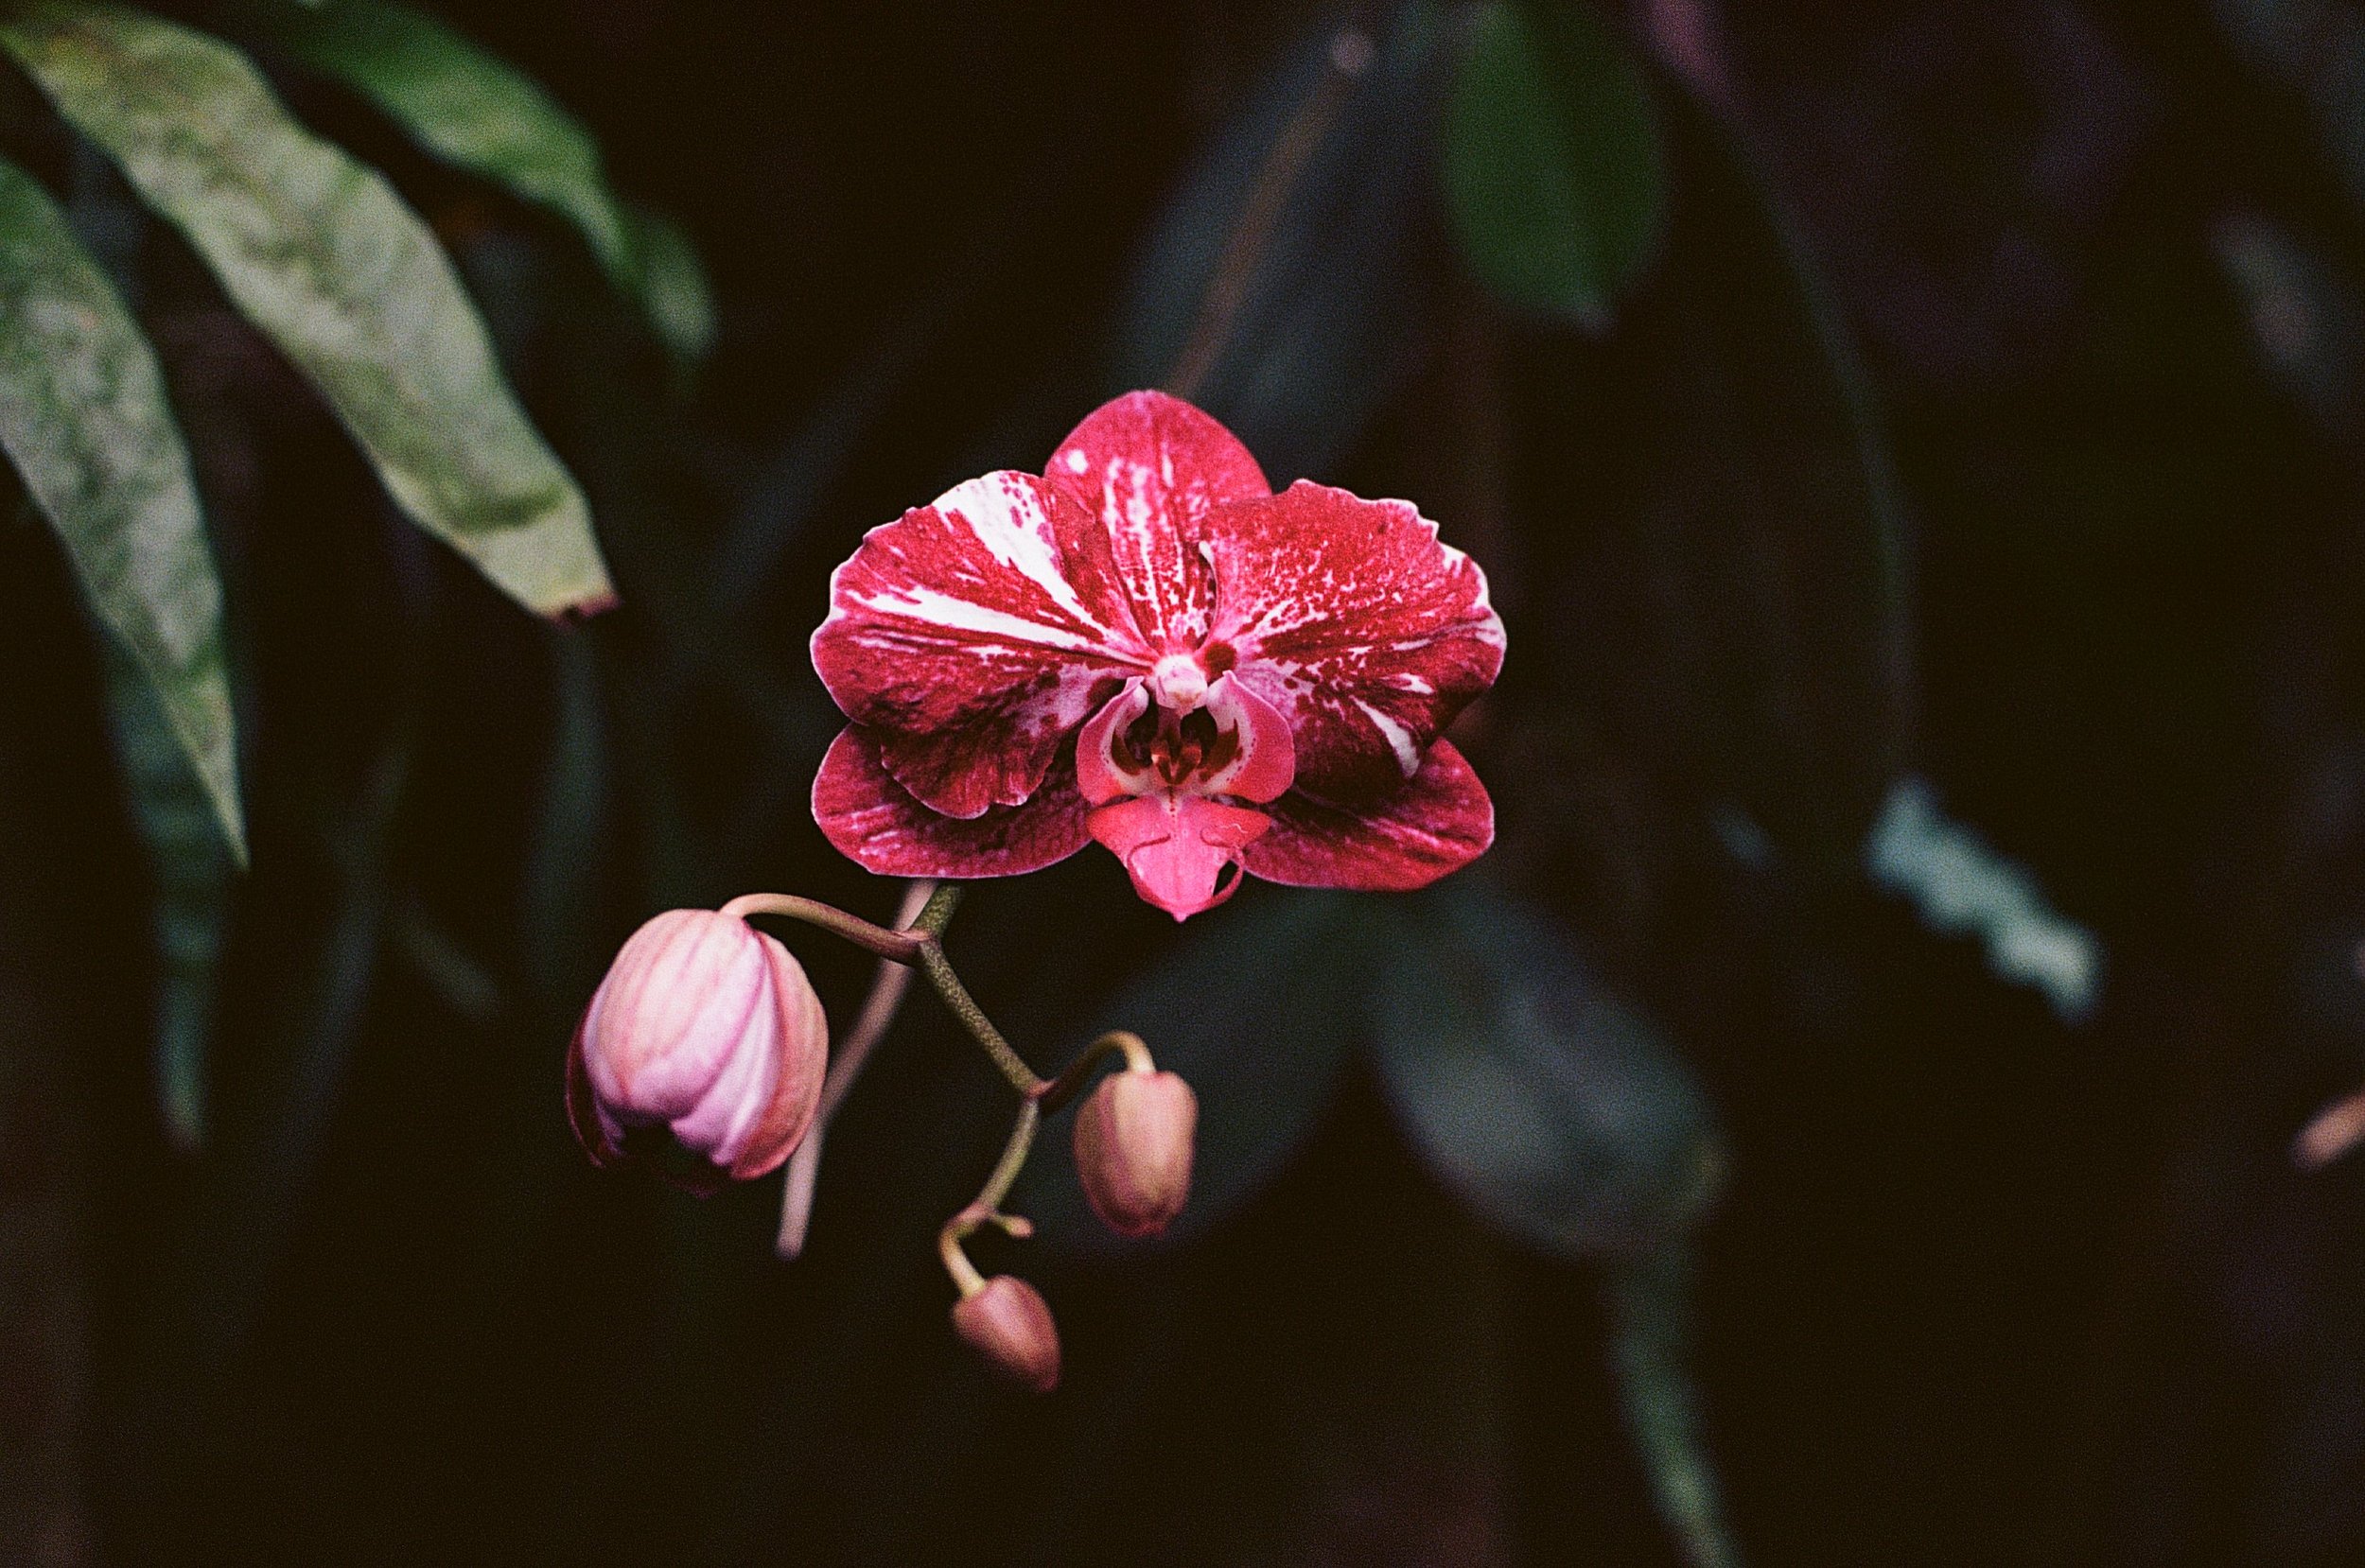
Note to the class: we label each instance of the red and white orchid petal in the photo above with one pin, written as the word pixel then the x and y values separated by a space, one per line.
pixel 875 822
pixel 1438 823
pixel 974 635
pixel 1266 763
pixel 1097 773
pixel 1352 619
pixel 1151 467
pixel 1175 846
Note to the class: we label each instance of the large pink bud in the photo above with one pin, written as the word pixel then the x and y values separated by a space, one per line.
pixel 704 1029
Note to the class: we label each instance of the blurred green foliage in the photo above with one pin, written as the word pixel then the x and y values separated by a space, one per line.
pixel 348 283
pixel 83 416
pixel 1553 162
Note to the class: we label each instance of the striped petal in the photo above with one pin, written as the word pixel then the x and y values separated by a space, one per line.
pixel 974 635
pixel 1352 619
pixel 1438 823
pixel 874 821
pixel 1151 467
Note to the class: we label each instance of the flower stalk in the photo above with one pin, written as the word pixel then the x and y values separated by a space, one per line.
pixel 918 945
pixel 1055 1094
pixel 889 987
pixel 987 1208
pixel 931 961
pixel 899 946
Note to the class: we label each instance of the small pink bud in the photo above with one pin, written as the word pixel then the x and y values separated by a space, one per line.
pixel 1008 1322
pixel 706 1029
pixel 1133 1149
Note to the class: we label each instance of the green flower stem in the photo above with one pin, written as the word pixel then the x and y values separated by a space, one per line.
pixel 1046 1097
pixel 1060 1090
pixel 903 947
pixel 930 957
pixel 934 915
pixel 986 1209
pixel 920 946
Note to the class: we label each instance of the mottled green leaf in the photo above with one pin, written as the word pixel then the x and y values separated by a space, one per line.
pixel 1551 1107
pixel 193 870
pixel 1554 175
pixel 1256 1008
pixel 83 417
pixel 323 256
pixel 468 107
pixel 478 113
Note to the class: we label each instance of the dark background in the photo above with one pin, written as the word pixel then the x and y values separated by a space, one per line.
pixel 1982 1287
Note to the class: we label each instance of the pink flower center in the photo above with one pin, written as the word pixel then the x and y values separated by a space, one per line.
pixel 1167 780
pixel 1179 747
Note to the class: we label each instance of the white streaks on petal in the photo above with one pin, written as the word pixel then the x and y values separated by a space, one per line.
pixel 1008 517
pixel 1353 618
pixel 1151 467
pixel 937 608
pixel 1398 737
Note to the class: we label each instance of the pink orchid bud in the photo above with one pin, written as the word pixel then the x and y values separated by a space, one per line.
pixel 1008 1322
pixel 1133 1149
pixel 706 1030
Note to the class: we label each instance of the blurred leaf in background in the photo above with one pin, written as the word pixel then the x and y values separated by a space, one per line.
pixel 1743 546
pixel 1960 884
pixel 2317 48
pixel 1548 1104
pixel 671 284
pixel 1554 175
pixel 194 871
pixel 1565 1120
pixel 1277 288
pixel 2308 320
pixel 1652 1304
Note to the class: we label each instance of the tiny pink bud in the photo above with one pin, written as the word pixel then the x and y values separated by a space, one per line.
pixel 1008 1322
pixel 1133 1150
pixel 704 1029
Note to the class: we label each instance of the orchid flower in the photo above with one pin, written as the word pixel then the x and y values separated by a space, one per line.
pixel 1148 646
